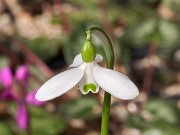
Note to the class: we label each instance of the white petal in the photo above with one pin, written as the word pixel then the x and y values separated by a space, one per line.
pixel 60 84
pixel 98 58
pixel 88 79
pixel 77 61
pixel 115 83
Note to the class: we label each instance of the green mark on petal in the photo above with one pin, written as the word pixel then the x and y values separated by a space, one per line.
pixel 88 87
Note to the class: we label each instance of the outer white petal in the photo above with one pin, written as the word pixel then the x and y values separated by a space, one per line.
pixel 98 58
pixel 60 84
pixel 88 79
pixel 115 83
pixel 77 61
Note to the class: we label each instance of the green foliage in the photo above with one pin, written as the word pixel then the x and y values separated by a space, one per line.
pixel 46 123
pixel 131 15
pixel 137 122
pixel 165 118
pixel 162 129
pixel 56 20
pixel 162 110
pixel 172 4
pixel 4 129
pixel 79 108
pixel 163 33
pixel 123 53
pixel 44 47
pixel 33 83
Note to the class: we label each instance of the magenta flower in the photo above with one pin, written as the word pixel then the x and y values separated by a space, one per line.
pixel 30 99
pixel 6 76
pixel 7 80
pixel 22 116
pixel 22 76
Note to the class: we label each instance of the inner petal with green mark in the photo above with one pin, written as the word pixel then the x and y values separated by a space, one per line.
pixel 88 83
pixel 89 87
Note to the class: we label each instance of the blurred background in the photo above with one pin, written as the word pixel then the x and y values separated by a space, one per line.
pixel 40 38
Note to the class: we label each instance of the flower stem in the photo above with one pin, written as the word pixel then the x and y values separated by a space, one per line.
pixel 105 114
pixel 110 64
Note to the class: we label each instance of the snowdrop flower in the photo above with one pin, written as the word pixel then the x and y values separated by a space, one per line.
pixel 89 76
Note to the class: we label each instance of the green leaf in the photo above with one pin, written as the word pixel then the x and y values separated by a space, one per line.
pixel 44 47
pixel 49 125
pixel 79 108
pixel 137 122
pixel 162 128
pixel 163 110
pixel 44 123
pixel 163 33
pixel 165 118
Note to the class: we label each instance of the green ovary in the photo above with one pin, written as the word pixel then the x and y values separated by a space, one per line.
pixel 88 87
pixel 88 52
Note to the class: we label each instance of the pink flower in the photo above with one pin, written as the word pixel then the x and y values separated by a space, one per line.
pixel 22 116
pixel 6 76
pixel 30 99
pixel 22 76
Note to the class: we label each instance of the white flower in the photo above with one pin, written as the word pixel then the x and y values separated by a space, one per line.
pixel 89 76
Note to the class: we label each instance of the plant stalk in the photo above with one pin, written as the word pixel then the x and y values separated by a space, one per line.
pixel 102 36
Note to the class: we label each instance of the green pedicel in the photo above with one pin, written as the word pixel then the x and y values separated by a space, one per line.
pixel 88 87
